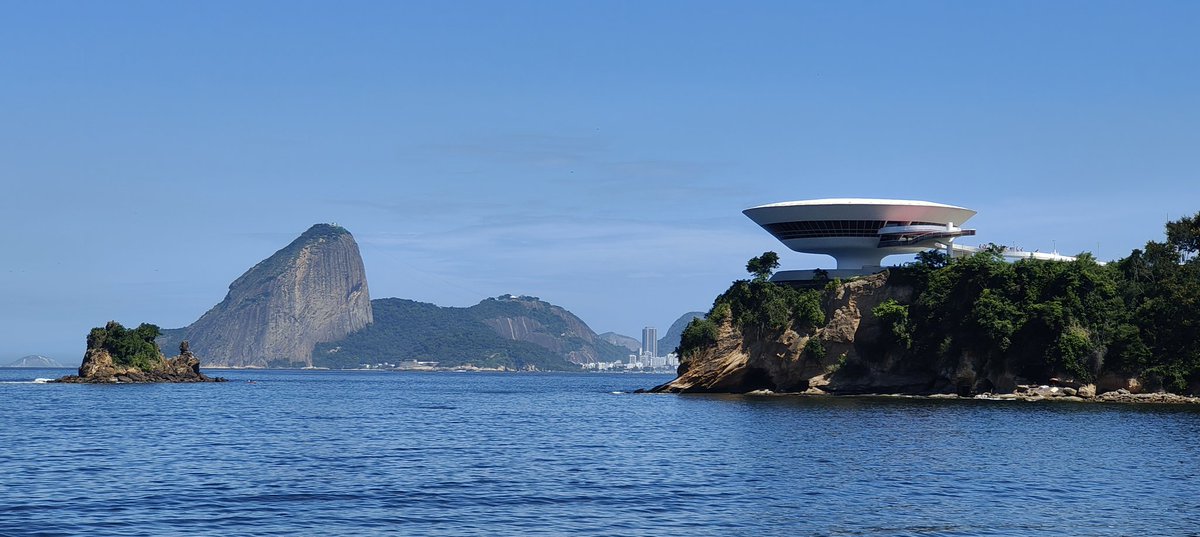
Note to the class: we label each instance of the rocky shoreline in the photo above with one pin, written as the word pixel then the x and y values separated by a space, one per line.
pixel 1038 393
pixel 849 356
pixel 98 367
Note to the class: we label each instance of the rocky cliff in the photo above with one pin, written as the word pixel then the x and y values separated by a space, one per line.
pixel 116 355
pixel 783 360
pixel 313 290
pixel 855 352
pixel 98 368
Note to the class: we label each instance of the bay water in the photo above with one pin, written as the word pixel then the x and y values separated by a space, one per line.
pixel 409 453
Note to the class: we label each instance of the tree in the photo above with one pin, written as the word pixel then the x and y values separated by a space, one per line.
pixel 134 347
pixel 700 333
pixel 933 259
pixel 895 317
pixel 763 266
pixel 1184 235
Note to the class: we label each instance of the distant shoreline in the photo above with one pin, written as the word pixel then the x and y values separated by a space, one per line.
pixel 420 370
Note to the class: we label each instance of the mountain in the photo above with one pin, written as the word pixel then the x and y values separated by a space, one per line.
pixel 36 360
pixel 521 333
pixel 670 341
pixel 622 341
pixel 313 290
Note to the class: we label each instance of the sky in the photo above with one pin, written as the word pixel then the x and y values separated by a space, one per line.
pixel 595 154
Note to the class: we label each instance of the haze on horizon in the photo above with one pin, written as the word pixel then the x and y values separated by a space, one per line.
pixel 596 155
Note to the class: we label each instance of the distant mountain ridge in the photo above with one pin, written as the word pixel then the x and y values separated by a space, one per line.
pixel 313 290
pixel 36 360
pixel 670 341
pixel 512 332
pixel 307 305
pixel 621 340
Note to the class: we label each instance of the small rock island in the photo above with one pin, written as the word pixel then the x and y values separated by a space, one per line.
pixel 118 355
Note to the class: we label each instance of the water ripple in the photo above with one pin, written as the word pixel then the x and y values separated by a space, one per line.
pixel 334 453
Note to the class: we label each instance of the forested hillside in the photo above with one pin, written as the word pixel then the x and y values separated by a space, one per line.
pixel 506 331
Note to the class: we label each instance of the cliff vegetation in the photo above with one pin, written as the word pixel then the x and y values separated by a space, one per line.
pixel 970 325
pixel 132 348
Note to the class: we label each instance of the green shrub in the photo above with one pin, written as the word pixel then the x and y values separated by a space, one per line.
pixel 894 316
pixel 128 347
pixel 814 349
pixel 700 333
pixel 720 313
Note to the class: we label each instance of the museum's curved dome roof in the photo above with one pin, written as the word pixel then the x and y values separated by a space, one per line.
pixel 859 209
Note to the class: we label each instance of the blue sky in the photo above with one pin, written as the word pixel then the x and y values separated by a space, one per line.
pixel 594 154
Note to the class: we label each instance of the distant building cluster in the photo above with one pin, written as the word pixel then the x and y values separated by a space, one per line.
pixel 647 359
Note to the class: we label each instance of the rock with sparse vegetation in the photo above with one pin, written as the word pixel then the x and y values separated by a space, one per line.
pixel 117 355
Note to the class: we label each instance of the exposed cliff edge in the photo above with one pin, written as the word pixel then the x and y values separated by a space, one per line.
pixel 313 290
pixel 116 355
pixel 975 327
pixel 785 360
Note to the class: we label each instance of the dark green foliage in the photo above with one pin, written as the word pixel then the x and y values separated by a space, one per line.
pixel 894 316
pixel 756 305
pixel 762 305
pixel 814 349
pixel 1040 317
pixel 1184 235
pixel 699 333
pixel 762 266
pixel 933 259
pixel 406 330
pixel 1139 316
pixel 128 347
pixel 1161 294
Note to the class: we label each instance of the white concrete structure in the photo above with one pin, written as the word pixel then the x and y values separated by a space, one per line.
pixel 859 233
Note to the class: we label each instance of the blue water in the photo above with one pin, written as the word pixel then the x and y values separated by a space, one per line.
pixel 378 453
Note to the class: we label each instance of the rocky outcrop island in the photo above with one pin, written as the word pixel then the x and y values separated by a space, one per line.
pixel 118 355
pixel 976 326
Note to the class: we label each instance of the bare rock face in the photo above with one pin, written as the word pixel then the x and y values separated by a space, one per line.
pixel 98 367
pixel 777 361
pixel 312 291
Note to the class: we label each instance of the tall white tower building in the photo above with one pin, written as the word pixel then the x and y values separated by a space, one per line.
pixel 650 341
